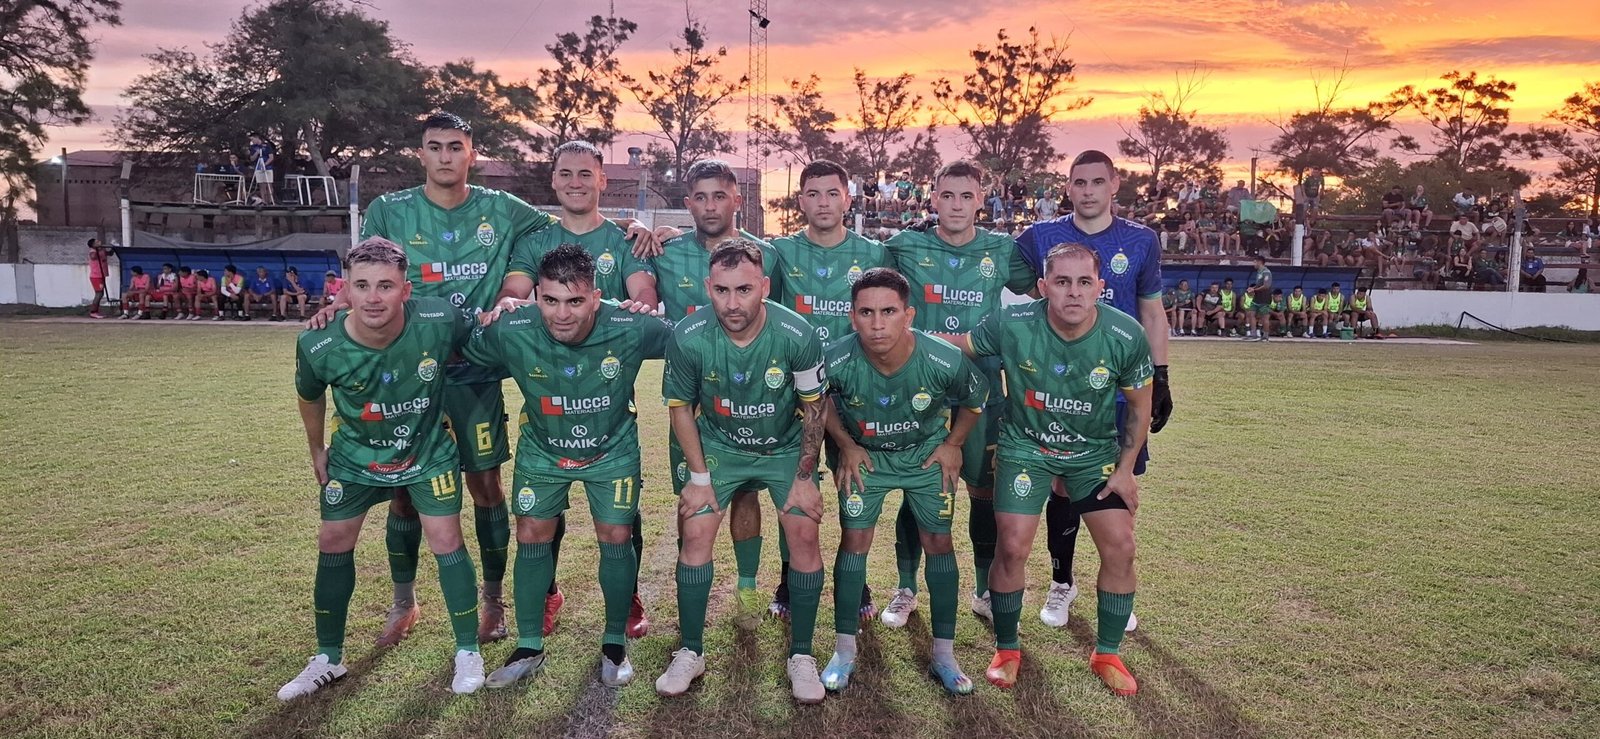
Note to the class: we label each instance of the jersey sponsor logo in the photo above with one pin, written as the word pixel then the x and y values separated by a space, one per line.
pixel 427 369
pixel 1099 377
pixel 402 431
pixel 333 492
pixel 1119 264
pixel 955 262
pixel 685 284
pixel 945 295
pixel 448 236
pixel 798 332
pixel 1022 485
pixel 577 443
pixel 417 240
pixel 884 401
pixel 936 359
pixel 854 401
pixel 526 499
pixel 986 267
pixel 572 371
pixel 921 401
pixel 387 411
pixel 739 378
pixel 447 272
pixel 853 505
pixel 317 346
pixel 925 262
pixel 824 272
pixel 1124 334
pixel 726 407
pixel 561 405
pixel 1040 401
pixel 396 444
pixel 809 304
pixel 606 264
pixel 774 378
pixel 952 323
pixel 1056 435
pixel 748 437
pixel 794 273
pixel 538 373
pixel 875 429
pixel 1060 369
pixel 853 274
pixel 578 464
pixel 486 233
pixel 822 332
pixel 1028 366
pixel 392 469
pixel 609 367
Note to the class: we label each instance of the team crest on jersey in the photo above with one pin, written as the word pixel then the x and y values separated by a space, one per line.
pixel 711 464
pixel 853 505
pixel 774 378
pixel 428 369
pixel 1022 485
pixel 526 499
pixel 486 234
pixel 333 492
pixel 1099 377
pixel 1119 264
pixel 606 264
pixel 986 267
pixel 683 472
pixel 921 401
pixel 853 275
pixel 609 367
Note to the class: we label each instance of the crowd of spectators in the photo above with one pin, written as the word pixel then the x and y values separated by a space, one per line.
pixel 262 167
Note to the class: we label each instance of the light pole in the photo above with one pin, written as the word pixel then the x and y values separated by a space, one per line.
pixel 66 206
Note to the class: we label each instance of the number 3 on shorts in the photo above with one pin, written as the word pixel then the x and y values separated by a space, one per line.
pixel 485 441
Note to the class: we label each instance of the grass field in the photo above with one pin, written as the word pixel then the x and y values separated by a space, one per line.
pixel 1336 540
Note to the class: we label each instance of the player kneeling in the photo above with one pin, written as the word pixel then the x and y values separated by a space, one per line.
pixel 890 383
pixel 1063 423
pixel 383 360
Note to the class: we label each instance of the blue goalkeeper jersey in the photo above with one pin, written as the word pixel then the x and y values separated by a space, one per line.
pixel 1130 257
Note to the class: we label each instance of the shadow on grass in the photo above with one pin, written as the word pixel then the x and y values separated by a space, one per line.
pixel 307 716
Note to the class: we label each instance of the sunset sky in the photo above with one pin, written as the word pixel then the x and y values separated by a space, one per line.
pixel 1259 55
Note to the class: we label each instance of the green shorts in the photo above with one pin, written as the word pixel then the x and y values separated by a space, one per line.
pixel 738 471
pixel 680 469
pixel 900 470
pixel 1024 479
pixel 613 498
pixel 1262 309
pixel 477 416
pixel 977 454
pixel 439 495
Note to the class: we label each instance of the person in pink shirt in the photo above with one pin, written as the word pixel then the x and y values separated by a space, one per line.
pixel 166 290
pixel 137 294
pixel 99 260
pixel 332 283
pixel 206 292
pixel 186 295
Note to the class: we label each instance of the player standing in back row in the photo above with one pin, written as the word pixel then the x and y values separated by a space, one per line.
pixel 1130 265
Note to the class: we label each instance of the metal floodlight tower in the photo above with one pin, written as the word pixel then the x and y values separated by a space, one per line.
pixel 756 93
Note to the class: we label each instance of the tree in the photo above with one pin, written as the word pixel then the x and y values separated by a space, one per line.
pixel 1469 118
pixel 1576 144
pixel 885 108
pixel 579 93
pixel 497 110
pixel 45 52
pixel 1341 141
pixel 682 101
pixel 316 72
pixel 1005 105
pixel 802 127
pixel 1166 138
pixel 1361 193
pixel 920 159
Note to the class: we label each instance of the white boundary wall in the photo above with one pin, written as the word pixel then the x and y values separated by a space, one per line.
pixel 1510 310
pixel 52 285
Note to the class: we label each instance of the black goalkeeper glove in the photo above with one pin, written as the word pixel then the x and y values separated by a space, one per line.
pixel 1161 403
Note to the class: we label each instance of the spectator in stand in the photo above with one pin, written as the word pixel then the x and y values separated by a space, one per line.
pixel 229 165
pixel 166 291
pixel 1311 191
pixel 1209 309
pixel 99 267
pixel 263 289
pixel 1465 202
pixel 1044 206
pixel 902 187
pixel 1210 237
pixel 262 158
pixel 1421 214
pixel 1467 233
pixel 1533 279
pixel 292 292
pixel 1191 233
pixel 1228 231
pixel 233 292
pixel 1237 195
pixel 1572 235
pixel 1486 273
pixel 1171 228
pixel 1189 197
pixel 137 293
pixel 1394 207
pixel 206 292
pixel 997 204
pixel 1325 251
pixel 188 292
pixel 1211 194
pixel 1580 283
pixel 1183 315
pixel 331 285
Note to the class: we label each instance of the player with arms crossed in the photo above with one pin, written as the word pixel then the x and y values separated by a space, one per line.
pixel 383 360
pixel 753 366
pixel 888 382
pixel 575 363
pixel 1130 259
pixel 960 269
pixel 1061 421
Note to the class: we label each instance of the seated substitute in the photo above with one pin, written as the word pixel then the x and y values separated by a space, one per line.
pixel 136 299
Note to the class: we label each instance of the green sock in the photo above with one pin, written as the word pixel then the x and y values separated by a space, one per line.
pixel 618 573
pixel 944 582
pixel 849 574
pixel 1111 620
pixel 534 570
pixel 1007 615
pixel 404 541
pixel 694 594
pixel 638 548
pixel 747 557
pixel 805 594
pixel 330 601
pixel 494 539
pixel 460 585
pixel 907 545
pixel 981 529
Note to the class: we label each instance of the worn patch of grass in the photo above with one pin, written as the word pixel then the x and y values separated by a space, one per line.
pixel 1336 539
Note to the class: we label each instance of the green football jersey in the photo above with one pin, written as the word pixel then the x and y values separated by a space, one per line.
pixel 954 288
pixel 1062 400
pixel 578 410
pixel 682 267
pixel 905 409
pixel 461 253
pixel 748 396
pixel 388 403
pixel 815 281
pixel 614 261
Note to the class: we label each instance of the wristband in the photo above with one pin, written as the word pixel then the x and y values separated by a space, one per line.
pixel 699 478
